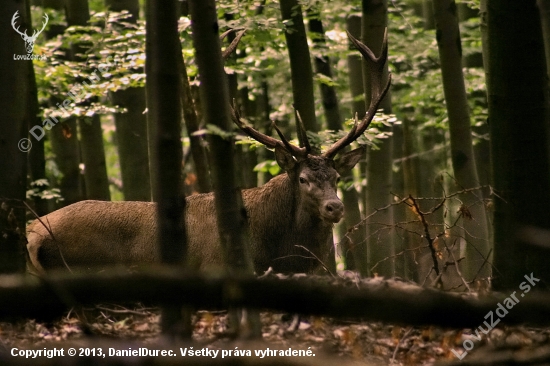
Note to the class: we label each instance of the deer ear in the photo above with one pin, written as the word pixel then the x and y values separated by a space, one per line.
pixel 348 160
pixel 285 160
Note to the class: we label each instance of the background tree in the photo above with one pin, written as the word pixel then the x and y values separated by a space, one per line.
pixel 518 119
pixel 14 100
pixel 334 121
pixel 164 122
pixel 379 160
pixel 91 135
pixel 300 63
pixel 354 246
pixel 474 223
pixel 230 213
pixel 64 139
pixel 131 127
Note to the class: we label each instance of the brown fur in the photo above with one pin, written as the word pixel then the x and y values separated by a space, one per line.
pixel 282 214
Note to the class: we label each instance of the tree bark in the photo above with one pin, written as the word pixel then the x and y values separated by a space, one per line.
pixel 544 8
pixel 131 137
pixel 379 162
pixel 473 215
pixel 67 158
pixel 369 300
pixel 230 213
pixel 14 99
pixel 300 63
pixel 93 154
pixel 518 118
pixel 131 127
pixel 36 156
pixel 163 52
pixel 350 240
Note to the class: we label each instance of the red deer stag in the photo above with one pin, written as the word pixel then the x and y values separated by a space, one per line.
pixel 293 211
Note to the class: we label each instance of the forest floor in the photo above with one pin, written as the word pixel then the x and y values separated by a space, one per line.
pixel 351 343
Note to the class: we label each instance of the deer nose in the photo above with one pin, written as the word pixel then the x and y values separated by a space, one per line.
pixel 333 210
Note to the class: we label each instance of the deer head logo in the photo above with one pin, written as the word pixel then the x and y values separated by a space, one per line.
pixel 29 41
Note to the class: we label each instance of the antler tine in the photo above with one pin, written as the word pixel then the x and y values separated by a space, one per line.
pixel 296 151
pixel 302 133
pixel 264 139
pixel 13 20
pixel 46 18
pixel 375 68
pixel 229 50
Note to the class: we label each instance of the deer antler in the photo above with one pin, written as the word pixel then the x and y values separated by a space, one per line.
pixel 375 68
pixel 35 33
pixel 229 50
pixel 13 19
pixel 298 152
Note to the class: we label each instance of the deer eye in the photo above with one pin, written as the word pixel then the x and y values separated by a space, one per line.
pixel 303 180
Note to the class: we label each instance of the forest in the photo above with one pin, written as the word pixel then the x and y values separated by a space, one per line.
pixel 289 182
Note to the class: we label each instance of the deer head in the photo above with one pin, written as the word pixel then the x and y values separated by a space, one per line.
pixel 29 40
pixel 317 175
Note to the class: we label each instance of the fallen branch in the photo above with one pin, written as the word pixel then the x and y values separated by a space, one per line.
pixel 369 299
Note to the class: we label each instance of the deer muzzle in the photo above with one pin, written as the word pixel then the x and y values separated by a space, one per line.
pixel 332 210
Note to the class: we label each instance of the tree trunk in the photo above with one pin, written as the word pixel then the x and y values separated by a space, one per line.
pixel 428 14
pixel 544 8
pixel 163 52
pixel 14 100
pixel 517 92
pixel 93 154
pixel 379 162
pixel 300 63
pixel 36 157
pixel 64 141
pixel 131 127
pixel 192 124
pixel 349 239
pixel 131 137
pixel 473 214
pixel 230 213
pixel 67 158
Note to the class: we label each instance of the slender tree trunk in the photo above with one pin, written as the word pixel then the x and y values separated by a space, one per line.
pixel 411 188
pixel 65 147
pixel 518 115
pixel 230 211
pixel 474 220
pixel 428 14
pixel 131 137
pixel 192 124
pixel 93 154
pixel 544 8
pixel 465 12
pixel 131 127
pixel 14 99
pixel 399 213
pixel 67 158
pixel 300 63
pixel 36 157
pixel 350 198
pixel 163 52
pixel 379 162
